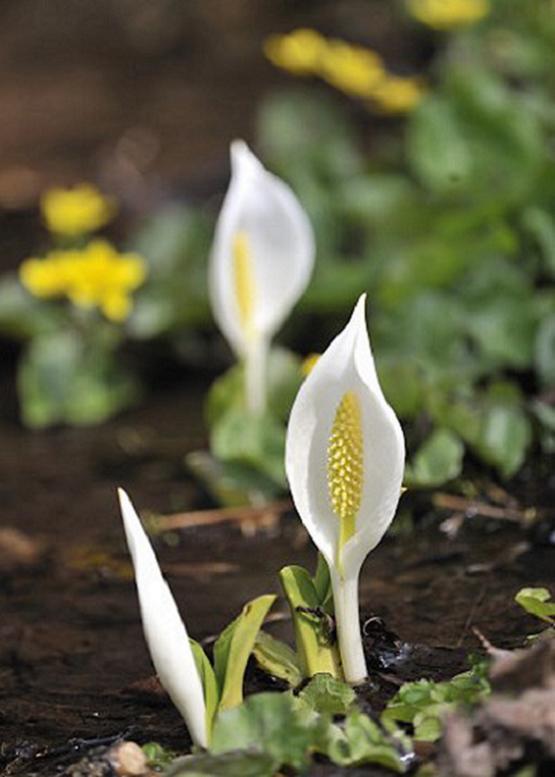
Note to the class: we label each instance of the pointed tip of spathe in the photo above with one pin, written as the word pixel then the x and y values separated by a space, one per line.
pixel 242 156
pixel 126 505
pixel 357 321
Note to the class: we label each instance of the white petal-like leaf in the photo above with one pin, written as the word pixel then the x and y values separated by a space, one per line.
pixel 346 366
pixel 164 629
pixel 280 244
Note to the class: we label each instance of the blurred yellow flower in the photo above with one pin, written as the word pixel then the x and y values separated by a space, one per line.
pixel 447 14
pixel 96 276
pixel 298 52
pixel 396 94
pixel 77 211
pixel 352 69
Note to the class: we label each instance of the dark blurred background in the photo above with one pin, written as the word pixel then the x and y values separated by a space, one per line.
pixel 158 88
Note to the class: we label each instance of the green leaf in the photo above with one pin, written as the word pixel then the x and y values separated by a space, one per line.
pixel 537 601
pixel 475 139
pixel 315 649
pixel 326 694
pixel 63 378
pixel 233 764
pixel 175 242
pixel 322 584
pixel 284 378
pixel 438 460
pixel 438 150
pixel 158 757
pixel 230 483
pixel 363 741
pixel 505 329
pixel 23 316
pixel 541 225
pixel 545 351
pixel 233 648
pixel 276 724
pixel 301 130
pixel 253 441
pixel 505 436
pixel 424 703
pixel 277 659
pixel 209 683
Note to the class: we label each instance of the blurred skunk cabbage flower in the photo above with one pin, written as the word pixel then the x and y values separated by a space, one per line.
pixel 344 459
pixel 164 630
pixel 261 262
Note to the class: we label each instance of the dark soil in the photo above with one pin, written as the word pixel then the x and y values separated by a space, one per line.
pixel 72 656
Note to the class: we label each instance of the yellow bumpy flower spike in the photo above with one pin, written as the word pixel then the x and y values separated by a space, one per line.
pixel 345 465
pixel 245 289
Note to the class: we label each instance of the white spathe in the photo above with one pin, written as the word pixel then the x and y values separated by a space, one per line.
pixel 281 246
pixel 347 365
pixel 165 632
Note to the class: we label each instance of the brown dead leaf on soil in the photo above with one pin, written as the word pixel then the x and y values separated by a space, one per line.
pixel 515 725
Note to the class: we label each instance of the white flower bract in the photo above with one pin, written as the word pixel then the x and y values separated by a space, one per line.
pixel 261 261
pixel 164 630
pixel 374 476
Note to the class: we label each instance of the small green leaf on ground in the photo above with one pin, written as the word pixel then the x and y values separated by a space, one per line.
pixel 424 703
pixel 327 695
pixel 276 724
pixel 537 601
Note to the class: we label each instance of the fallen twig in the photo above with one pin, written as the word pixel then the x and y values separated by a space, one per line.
pixel 472 507
pixel 249 518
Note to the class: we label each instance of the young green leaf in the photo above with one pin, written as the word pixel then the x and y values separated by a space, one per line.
pixel 537 601
pixel 209 683
pixel 277 659
pixel 423 703
pixel 363 741
pixel 233 648
pixel 277 724
pixel 314 641
pixel 322 584
pixel 326 694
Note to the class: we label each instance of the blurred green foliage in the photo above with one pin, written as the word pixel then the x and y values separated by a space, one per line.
pixel 448 224
pixel 450 227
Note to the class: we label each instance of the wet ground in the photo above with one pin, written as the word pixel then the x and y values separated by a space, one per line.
pixel 72 656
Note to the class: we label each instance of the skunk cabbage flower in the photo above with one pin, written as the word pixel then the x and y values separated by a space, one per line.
pixel 261 262
pixel 164 630
pixel 344 459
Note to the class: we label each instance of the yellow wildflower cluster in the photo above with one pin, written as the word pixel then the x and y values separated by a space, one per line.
pixel 77 211
pixel 355 70
pixel 95 276
pixel 448 14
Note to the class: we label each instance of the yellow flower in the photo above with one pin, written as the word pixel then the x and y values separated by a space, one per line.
pixel 77 211
pixel 47 277
pixel 447 14
pixel 352 69
pixel 298 52
pixel 96 276
pixel 396 94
